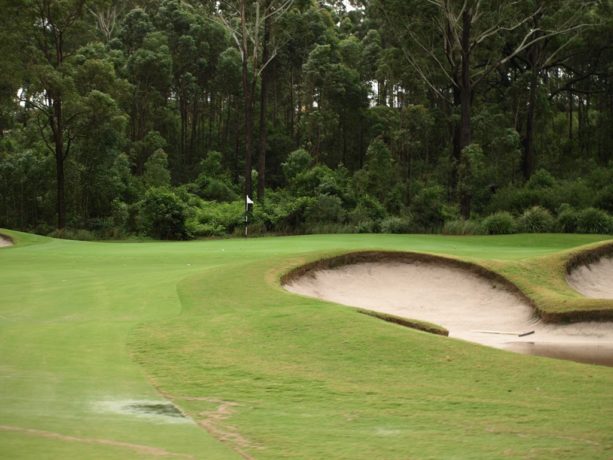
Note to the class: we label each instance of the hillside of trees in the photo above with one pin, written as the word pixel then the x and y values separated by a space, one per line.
pixel 158 117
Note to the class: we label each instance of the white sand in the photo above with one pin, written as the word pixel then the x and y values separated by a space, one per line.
pixel 595 279
pixel 4 242
pixel 464 303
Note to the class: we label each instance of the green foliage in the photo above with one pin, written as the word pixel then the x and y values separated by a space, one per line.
pixel 499 223
pixel 395 224
pixel 369 213
pixel 541 179
pixel 536 220
pixel 567 219
pixel 463 227
pixel 127 101
pixel 163 215
pixel 297 163
pixel 377 175
pixel 156 170
pixel 428 208
pixel 604 199
pixel 325 209
pixel 73 234
pixel 217 219
pixel 591 220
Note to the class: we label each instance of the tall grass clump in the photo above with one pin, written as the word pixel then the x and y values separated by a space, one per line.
pixel 536 220
pixel 499 223
pixel 592 220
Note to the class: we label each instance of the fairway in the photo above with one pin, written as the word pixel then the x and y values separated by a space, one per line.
pixel 96 337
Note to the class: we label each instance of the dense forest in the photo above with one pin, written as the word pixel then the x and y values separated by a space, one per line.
pixel 159 117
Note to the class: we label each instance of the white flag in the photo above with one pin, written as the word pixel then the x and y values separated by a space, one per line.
pixel 249 200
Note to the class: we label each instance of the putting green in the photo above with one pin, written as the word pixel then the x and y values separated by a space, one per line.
pixel 91 331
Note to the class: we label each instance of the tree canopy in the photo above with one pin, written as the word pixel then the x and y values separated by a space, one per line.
pixel 368 115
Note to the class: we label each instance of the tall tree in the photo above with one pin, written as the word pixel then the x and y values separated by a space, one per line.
pixel 461 43
pixel 245 21
pixel 57 30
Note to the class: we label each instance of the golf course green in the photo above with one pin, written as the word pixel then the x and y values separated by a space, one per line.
pixel 100 342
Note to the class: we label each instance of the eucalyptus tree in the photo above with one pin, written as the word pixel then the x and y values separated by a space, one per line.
pixel 248 23
pixel 455 46
pixel 55 30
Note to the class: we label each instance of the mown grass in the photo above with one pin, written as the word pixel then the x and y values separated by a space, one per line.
pixel 273 374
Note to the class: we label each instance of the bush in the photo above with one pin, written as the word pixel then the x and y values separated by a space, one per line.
pixel 499 223
pixel 367 226
pixel 368 209
pixel 325 209
pixel 213 189
pixel 592 220
pixel 297 162
pixel 463 227
pixel 73 234
pixel 604 199
pixel 536 220
pixel 427 208
pixel 396 225
pixel 567 219
pixel 163 215
pixel 541 179
pixel 216 219
pixel 289 215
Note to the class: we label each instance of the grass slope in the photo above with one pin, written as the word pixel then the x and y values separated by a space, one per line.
pixel 272 374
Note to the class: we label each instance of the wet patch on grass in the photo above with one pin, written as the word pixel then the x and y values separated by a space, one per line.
pixel 152 410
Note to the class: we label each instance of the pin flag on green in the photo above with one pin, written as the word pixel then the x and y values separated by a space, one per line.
pixel 248 201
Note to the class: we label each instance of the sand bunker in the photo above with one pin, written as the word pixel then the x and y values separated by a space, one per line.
pixel 594 279
pixel 5 241
pixel 469 305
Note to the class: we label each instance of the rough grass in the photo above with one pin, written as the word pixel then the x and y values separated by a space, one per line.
pixel 272 374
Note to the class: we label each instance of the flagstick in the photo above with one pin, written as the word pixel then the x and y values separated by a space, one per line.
pixel 246 214
pixel 248 201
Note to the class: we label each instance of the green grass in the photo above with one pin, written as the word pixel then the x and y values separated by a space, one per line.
pixel 275 375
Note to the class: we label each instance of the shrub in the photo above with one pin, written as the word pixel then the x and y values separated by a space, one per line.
pixel 367 226
pixel 536 220
pixel 541 179
pixel 297 162
pixel 499 223
pixel 325 209
pixel 567 219
pixel 213 189
pixel 428 208
pixel 604 199
pixel 73 234
pixel 119 213
pixel 592 220
pixel 156 170
pixel 396 225
pixel 216 219
pixel 163 215
pixel 463 227
pixel 290 215
pixel 368 209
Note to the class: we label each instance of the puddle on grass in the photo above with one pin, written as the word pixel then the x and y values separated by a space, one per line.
pixel 588 353
pixel 152 410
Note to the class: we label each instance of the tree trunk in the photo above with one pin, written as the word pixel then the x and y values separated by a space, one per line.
pixel 465 102
pixel 528 141
pixel 263 106
pixel 58 140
